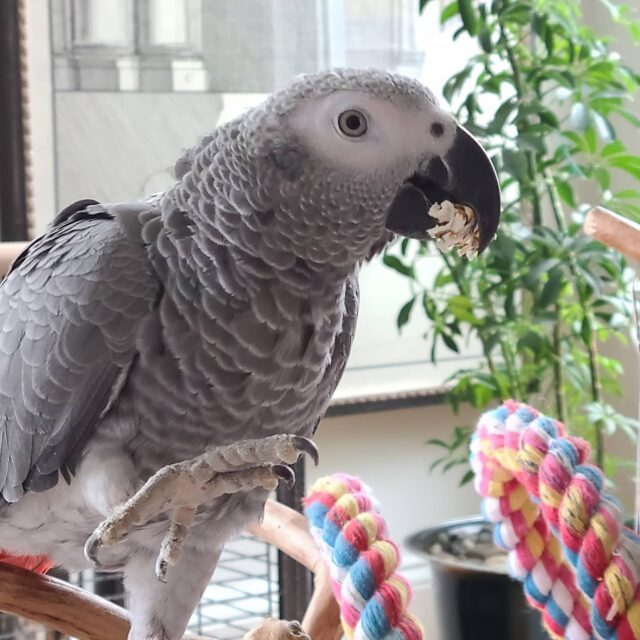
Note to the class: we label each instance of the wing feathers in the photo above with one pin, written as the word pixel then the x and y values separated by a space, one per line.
pixel 70 312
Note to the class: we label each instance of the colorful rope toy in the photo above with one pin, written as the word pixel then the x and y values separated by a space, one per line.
pixel 373 598
pixel 580 566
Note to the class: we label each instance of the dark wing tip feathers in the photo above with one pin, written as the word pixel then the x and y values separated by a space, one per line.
pixel 76 207
pixel 68 214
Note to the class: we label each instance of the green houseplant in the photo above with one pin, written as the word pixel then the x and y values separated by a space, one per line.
pixel 545 96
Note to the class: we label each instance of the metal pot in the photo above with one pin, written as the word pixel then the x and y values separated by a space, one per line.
pixel 475 601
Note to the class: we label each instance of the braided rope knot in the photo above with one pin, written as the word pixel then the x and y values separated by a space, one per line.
pixel 579 565
pixel 345 521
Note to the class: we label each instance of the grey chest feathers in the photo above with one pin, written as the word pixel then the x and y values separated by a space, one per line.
pixel 236 349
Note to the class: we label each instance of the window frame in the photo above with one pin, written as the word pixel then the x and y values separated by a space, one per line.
pixel 14 168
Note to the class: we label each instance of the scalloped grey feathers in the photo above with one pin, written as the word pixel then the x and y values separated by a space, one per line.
pixel 69 312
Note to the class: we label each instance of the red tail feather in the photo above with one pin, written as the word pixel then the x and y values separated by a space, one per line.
pixel 39 564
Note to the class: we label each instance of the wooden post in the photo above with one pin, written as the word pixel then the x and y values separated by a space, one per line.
pixel 288 531
pixel 614 231
pixel 295 581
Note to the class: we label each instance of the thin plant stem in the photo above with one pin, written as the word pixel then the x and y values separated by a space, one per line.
pixel 529 155
pixel 558 372
pixel 510 362
pixel 591 344
pixel 596 394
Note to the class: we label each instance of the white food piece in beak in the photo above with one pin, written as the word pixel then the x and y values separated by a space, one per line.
pixel 457 227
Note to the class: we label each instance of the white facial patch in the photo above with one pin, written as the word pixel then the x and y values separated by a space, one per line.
pixel 399 133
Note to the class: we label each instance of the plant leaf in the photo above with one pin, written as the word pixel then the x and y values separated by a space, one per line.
pixel 551 288
pixel 579 116
pixel 542 267
pixel 484 38
pixel 466 478
pixel 405 312
pixel 515 164
pixel 449 12
pixel 397 265
pixel 469 16
pixel 450 342
pixel 565 191
pixel 613 148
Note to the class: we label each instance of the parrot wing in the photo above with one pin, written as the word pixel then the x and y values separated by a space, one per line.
pixel 70 310
pixel 344 340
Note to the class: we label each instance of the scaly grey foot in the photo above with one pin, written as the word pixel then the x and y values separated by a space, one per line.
pixel 182 487
pixel 277 630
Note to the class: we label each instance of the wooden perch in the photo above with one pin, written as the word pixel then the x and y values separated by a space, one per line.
pixel 78 613
pixel 59 605
pixel 288 530
pixel 615 231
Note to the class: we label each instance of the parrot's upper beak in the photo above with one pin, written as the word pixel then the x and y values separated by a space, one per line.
pixel 465 175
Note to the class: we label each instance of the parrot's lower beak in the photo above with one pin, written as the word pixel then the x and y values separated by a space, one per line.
pixel 464 176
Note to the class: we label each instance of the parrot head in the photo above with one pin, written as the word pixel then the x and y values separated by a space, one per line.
pixel 332 167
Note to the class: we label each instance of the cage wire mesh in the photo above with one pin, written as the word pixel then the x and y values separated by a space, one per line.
pixel 243 592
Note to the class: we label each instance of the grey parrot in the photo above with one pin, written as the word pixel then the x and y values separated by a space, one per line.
pixel 163 361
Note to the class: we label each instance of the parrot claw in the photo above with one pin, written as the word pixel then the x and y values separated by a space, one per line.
pixel 91 547
pixel 285 473
pixel 277 630
pixel 180 489
pixel 308 446
pixel 295 630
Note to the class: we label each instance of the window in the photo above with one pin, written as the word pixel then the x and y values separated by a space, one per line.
pixel 97 23
pixel 167 22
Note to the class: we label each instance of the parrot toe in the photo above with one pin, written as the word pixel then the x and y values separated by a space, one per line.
pixel 180 489
pixel 278 630
pixel 308 446
pixel 295 630
pixel 275 449
pixel 91 547
pixel 285 473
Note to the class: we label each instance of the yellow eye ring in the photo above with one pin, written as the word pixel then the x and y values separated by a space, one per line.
pixel 352 123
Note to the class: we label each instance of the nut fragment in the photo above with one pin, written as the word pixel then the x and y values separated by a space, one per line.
pixel 456 227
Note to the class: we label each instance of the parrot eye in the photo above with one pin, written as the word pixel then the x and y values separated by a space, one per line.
pixel 352 123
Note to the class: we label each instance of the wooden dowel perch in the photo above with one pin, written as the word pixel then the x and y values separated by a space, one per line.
pixel 615 231
pixel 288 530
pixel 75 612
pixel 59 605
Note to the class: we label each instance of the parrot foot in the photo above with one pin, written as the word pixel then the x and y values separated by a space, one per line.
pixel 181 488
pixel 277 630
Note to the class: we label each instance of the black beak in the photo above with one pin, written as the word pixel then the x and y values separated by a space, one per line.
pixel 465 175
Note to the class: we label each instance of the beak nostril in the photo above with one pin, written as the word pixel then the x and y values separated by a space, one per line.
pixel 437 129
pixel 438 172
